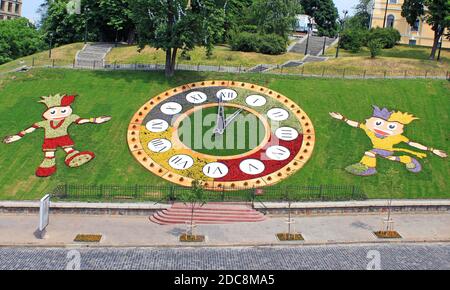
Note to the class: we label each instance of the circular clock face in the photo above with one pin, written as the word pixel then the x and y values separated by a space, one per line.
pixel 227 134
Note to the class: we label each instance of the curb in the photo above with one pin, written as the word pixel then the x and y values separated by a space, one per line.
pixel 237 245
pixel 299 208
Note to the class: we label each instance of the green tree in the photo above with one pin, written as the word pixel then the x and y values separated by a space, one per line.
pixel 117 14
pixel 174 25
pixel 194 198
pixel 361 18
pixel 436 14
pixel 18 37
pixel 235 15
pixel 106 20
pixel 325 15
pixel 275 16
pixel 374 46
pixel 58 24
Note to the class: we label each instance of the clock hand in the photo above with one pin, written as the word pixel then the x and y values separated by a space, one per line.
pixel 220 123
pixel 230 119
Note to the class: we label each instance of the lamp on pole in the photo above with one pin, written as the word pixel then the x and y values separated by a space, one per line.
pixel 86 15
pixel 308 34
pixel 342 22
pixel 50 45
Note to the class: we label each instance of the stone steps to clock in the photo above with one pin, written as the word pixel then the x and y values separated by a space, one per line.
pixel 208 214
pixel 198 213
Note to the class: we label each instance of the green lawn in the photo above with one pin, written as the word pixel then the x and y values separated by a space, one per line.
pixel 120 94
pixel 230 142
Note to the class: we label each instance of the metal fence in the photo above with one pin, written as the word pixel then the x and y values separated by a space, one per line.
pixel 301 71
pixel 166 193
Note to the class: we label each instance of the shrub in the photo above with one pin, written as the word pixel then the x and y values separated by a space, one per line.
pixel 353 39
pixel 374 46
pixel 271 44
pixel 263 43
pixel 244 41
pixel 387 36
pixel 249 28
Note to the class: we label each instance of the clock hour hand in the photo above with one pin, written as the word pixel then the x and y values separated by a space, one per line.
pixel 230 119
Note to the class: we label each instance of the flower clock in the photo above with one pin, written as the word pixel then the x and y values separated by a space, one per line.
pixel 230 135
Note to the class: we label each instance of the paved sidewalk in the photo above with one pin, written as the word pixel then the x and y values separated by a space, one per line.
pixel 16 230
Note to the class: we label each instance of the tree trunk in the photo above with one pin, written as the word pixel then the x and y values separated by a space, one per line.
pixel 437 35
pixel 171 59
pixel 168 68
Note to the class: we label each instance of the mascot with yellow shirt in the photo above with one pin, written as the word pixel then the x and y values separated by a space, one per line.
pixel 385 130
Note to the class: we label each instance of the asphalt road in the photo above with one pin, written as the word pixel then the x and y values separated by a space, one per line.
pixel 373 256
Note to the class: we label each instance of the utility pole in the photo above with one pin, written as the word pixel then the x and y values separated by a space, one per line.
pixel 339 34
pixel 385 13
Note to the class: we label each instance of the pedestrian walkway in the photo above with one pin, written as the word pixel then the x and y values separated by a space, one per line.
pixel 16 230
pixel 93 54
pixel 312 46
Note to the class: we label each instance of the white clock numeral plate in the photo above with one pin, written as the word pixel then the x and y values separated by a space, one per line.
pixel 215 170
pixel 196 97
pixel 286 133
pixel 252 166
pixel 181 162
pixel 227 95
pixel 278 114
pixel 255 100
pixel 278 153
pixel 159 145
pixel 171 108
pixel 157 125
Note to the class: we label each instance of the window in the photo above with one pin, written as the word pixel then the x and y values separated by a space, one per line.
pixel 416 26
pixel 412 42
pixel 9 7
pixel 390 21
pixel 2 7
pixel 392 1
pixel 17 8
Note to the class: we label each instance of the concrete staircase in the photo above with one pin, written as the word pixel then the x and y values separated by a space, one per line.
pixel 210 213
pixel 93 55
pixel 315 45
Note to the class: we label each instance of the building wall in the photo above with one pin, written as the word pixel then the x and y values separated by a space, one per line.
pixel 10 9
pixel 424 34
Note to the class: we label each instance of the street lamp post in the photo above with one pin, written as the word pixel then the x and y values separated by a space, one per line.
pixel 50 46
pixel 86 12
pixel 342 22
pixel 307 35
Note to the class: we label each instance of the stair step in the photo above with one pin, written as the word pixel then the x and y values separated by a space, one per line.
pixel 169 220
pixel 209 214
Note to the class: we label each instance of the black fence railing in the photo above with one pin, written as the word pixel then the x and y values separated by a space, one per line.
pixel 167 193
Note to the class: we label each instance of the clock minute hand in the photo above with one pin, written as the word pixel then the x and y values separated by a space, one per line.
pixel 230 119
pixel 220 123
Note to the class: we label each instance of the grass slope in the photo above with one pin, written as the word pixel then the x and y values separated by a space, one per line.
pixel 395 61
pixel 120 94
pixel 62 55
pixel 222 55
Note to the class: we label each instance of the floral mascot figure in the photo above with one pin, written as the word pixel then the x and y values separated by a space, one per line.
pixel 385 130
pixel 57 119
